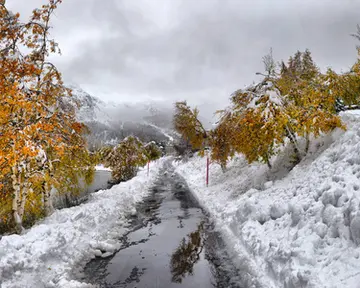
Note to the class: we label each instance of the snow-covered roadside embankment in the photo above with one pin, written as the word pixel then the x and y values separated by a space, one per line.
pixel 47 254
pixel 101 167
pixel 302 230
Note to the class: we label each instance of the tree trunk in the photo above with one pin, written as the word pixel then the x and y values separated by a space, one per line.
pixel 26 189
pixel 49 209
pixel 18 223
pixel 297 157
pixel 293 141
pixel 223 167
pixel 16 203
pixel 48 205
pixel 307 143
pixel 16 215
pixel 268 163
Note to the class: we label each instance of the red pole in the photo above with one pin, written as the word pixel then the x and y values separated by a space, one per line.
pixel 207 171
pixel 148 168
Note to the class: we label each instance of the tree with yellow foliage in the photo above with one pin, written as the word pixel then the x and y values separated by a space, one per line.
pixel 293 103
pixel 311 100
pixel 36 135
pixel 221 139
pixel 187 124
pixel 125 158
pixel 261 119
pixel 152 151
pixel 346 86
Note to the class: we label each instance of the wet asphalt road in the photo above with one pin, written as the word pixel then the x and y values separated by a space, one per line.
pixel 171 243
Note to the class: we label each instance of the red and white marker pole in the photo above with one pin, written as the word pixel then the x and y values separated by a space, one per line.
pixel 148 168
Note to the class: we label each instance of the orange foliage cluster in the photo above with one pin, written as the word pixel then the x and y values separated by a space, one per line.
pixel 36 135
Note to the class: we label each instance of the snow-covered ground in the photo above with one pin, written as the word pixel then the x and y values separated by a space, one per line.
pixel 49 254
pixel 101 167
pixel 296 229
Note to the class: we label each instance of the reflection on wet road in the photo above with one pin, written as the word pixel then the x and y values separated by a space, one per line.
pixel 170 244
pixel 187 255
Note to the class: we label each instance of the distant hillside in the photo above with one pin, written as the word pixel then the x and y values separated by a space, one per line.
pixel 111 122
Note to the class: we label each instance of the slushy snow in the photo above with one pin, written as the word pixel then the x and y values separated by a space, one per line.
pixel 290 229
pixel 51 252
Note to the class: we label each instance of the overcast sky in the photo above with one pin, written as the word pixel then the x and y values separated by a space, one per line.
pixel 198 50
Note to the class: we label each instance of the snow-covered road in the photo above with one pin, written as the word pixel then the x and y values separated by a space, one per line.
pixel 48 254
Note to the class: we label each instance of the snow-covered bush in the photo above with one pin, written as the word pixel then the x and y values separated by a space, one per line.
pixel 153 151
pixel 125 158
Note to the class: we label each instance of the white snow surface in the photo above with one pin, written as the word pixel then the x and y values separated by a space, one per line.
pixel 101 167
pixel 51 252
pixel 296 229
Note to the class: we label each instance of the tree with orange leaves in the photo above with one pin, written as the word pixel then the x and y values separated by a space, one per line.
pixel 36 133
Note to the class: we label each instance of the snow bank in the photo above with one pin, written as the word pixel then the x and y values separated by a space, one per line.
pixel 51 252
pixel 299 230
pixel 102 168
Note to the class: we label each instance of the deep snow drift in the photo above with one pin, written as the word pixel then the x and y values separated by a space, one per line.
pixel 48 254
pixel 301 229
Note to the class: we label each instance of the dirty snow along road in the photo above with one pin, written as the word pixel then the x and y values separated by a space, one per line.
pixel 48 253
pixel 171 243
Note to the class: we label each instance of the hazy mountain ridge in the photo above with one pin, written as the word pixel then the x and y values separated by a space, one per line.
pixel 111 122
pixel 90 108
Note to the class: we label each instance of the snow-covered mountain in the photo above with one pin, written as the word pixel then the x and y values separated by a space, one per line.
pixel 90 108
pixel 111 122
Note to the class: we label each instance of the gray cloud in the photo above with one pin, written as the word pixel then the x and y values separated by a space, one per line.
pixel 196 50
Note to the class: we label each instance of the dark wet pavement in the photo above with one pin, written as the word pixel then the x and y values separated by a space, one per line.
pixel 170 244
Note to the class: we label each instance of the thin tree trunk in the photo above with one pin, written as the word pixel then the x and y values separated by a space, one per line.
pixel 307 143
pixel 223 167
pixel 297 157
pixel 293 141
pixel 25 191
pixel 49 209
pixel 268 163
pixel 16 200
pixel 48 205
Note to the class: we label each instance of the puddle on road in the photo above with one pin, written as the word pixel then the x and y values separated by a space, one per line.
pixel 170 244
